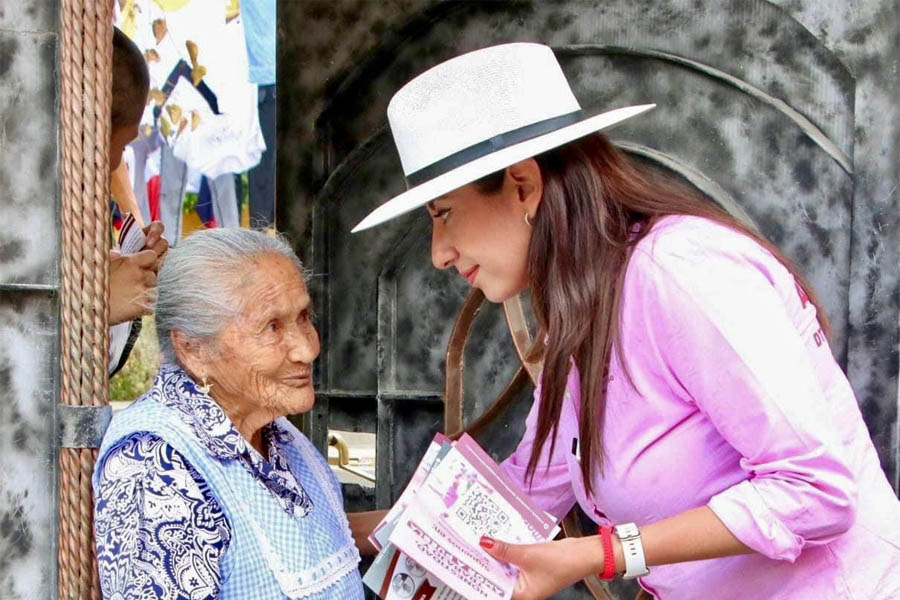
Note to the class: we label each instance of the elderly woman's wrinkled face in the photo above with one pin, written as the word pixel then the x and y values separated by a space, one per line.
pixel 263 358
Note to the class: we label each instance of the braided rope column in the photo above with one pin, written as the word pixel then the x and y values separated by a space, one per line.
pixel 85 58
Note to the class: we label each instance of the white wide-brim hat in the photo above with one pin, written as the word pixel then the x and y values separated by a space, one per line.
pixel 478 113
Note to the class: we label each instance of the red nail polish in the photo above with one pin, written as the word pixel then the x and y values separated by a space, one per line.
pixel 486 542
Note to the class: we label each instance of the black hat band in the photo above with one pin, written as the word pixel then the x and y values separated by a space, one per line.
pixel 491 145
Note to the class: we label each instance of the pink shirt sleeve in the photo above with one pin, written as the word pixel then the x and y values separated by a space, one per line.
pixel 551 488
pixel 719 317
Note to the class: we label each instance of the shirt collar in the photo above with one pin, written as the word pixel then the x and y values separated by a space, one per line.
pixel 174 388
pixel 212 427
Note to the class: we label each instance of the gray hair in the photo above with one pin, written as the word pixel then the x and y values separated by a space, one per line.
pixel 196 284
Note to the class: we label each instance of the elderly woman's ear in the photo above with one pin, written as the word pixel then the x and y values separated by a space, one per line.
pixel 191 354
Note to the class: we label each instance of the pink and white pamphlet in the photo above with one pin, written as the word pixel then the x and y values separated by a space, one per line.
pixel 379 535
pixel 464 496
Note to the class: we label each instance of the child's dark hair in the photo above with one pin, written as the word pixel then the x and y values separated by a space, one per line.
pixel 131 81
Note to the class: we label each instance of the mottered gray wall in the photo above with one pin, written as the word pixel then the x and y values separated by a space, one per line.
pixel 29 311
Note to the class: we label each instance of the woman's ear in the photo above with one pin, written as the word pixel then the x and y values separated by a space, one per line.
pixel 525 175
pixel 188 352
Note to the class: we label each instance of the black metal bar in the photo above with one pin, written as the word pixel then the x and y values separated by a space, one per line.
pixel 29 287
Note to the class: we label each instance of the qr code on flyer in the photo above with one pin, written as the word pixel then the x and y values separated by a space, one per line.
pixel 482 514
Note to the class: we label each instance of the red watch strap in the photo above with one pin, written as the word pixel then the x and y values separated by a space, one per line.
pixel 609 560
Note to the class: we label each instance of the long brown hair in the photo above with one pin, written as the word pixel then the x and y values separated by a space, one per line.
pixel 597 205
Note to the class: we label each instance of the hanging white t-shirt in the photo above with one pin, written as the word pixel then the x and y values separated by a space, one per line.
pixel 232 141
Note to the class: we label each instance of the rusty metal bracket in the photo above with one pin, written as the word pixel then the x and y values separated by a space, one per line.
pixel 518 329
pixel 453 383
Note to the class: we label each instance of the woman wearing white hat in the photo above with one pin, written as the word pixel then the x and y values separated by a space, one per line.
pixel 689 401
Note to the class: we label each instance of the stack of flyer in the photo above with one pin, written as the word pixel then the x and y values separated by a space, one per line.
pixel 428 542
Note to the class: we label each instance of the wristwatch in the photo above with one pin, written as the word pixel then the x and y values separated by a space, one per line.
pixel 635 563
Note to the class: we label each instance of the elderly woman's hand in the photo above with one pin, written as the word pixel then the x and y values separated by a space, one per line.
pixel 132 285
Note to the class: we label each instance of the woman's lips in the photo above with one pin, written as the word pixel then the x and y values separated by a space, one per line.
pixel 471 275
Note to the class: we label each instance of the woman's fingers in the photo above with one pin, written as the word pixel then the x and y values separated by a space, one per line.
pixel 548 567
pixel 149 278
pixel 161 246
pixel 155 240
pixel 500 550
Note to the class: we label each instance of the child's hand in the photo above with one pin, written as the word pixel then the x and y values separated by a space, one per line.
pixel 132 285
pixel 156 241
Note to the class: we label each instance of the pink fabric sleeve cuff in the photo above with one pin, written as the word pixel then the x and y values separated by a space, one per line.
pixel 744 512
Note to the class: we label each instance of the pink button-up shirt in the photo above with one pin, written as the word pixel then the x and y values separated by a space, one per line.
pixel 738 405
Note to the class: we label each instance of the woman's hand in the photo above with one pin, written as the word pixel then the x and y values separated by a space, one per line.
pixel 544 569
pixel 547 568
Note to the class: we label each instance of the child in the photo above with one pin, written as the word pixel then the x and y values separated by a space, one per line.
pixel 132 278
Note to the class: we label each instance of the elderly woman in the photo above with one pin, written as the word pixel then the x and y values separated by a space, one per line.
pixel 203 489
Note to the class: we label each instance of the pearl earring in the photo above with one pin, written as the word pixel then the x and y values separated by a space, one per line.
pixel 205 388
